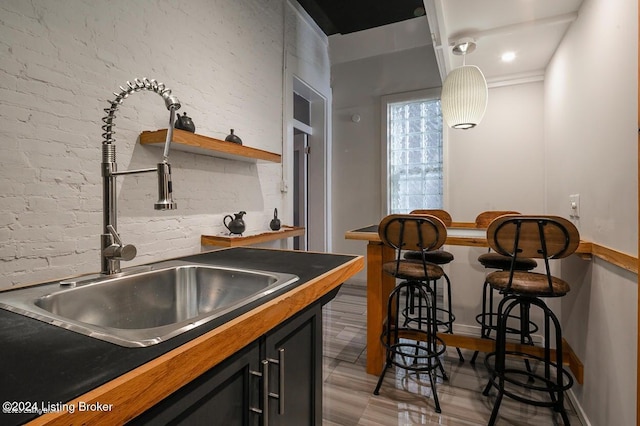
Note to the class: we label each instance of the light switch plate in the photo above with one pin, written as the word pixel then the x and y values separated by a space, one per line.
pixel 574 204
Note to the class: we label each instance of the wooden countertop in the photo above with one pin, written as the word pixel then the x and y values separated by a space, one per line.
pixel 249 239
pixel 139 389
pixel 466 234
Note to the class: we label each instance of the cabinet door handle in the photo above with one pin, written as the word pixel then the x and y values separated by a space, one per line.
pixel 280 394
pixel 265 392
pixel 281 377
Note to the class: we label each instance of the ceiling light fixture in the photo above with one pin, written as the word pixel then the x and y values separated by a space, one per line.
pixel 508 56
pixel 464 91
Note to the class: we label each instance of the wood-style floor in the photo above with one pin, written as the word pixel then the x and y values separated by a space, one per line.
pixel 404 399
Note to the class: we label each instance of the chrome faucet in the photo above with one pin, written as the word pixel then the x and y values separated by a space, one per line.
pixel 112 249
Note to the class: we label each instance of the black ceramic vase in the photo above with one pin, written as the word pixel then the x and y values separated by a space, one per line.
pixel 235 225
pixel 233 138
pixel 275 222
pixel 185 122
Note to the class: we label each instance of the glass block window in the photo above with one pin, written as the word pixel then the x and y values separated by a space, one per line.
pixel 414 155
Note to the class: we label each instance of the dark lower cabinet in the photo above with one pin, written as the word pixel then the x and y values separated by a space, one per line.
pixel 234 392
pixel 224 395
pixel 294 352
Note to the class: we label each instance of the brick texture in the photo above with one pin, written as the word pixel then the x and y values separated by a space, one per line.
pixel 60 63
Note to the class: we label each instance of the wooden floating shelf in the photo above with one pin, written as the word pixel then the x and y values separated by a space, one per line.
pixel 198 144
pixel 245 240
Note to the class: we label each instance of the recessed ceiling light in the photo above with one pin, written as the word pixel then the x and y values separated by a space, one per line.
pixel 508 56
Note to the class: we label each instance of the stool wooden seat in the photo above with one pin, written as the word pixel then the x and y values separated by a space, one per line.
pixel 543 237
pixel 530 283
pixel 410 329
pixel 497 261
pixel 487 318
pixel 413 270
pixel 439 257
pixel 493 260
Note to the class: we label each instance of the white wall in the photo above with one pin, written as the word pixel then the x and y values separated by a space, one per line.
pixel 495 166
pixel 539 142
pixel 591 149
pixel 59 64
pixel 357 88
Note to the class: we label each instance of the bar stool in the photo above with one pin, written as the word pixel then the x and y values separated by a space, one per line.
pixel 543 237
pixel 412 344
pixel 492 260
pixel 439 257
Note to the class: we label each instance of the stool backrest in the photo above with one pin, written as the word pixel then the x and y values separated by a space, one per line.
pixel 484 219
pixel 543 237
pixel 412 232
pixel 443 215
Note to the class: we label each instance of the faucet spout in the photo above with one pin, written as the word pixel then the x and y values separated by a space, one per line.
pixel 112 250
pixel 165 188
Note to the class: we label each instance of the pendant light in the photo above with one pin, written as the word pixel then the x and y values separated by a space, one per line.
pixel 464 92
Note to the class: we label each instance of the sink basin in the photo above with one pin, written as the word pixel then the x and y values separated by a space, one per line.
pixel 145 307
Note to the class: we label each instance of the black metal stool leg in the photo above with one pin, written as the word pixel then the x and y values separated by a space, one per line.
pixel 435 394
pixel 487 387
pixel 485 329
pixel 448 312
pixel 421 348
pixel 554 385
pixel 384 371
pixel 496 408
pixel 433 341
pixel 525 335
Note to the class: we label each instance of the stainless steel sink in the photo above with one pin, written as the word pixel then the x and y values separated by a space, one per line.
pixel 146 305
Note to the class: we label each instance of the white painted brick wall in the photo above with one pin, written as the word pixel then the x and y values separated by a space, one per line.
pixel 60 62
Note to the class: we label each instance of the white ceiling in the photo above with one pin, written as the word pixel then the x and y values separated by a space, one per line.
pixel 532 29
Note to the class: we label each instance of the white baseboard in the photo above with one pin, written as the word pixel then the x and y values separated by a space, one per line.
pixel 584 420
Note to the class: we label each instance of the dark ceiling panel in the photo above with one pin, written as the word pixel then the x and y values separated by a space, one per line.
pixel 348 16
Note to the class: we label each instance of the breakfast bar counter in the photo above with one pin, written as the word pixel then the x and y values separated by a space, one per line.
pixel 380 285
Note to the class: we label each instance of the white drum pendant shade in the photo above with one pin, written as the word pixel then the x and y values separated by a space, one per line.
pixel 464 97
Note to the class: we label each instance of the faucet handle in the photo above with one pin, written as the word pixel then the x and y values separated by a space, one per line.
pixel 118 250
pixel 125 252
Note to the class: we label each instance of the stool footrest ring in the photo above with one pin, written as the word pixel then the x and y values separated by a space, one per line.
pixel 522 379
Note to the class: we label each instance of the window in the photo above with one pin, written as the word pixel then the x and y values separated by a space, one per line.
pixel 414 154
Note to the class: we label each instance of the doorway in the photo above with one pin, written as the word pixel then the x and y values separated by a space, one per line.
pixel 309 174
pixel 300 187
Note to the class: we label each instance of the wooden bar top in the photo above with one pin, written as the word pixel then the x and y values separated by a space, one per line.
pixel 463 234
pixel 457 236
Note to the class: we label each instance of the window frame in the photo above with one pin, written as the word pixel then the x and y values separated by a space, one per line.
pixel 384 136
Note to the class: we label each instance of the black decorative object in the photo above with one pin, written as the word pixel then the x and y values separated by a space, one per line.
pixel 235 226
pixel 233 138
pixel 184 122
pixel 275 222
